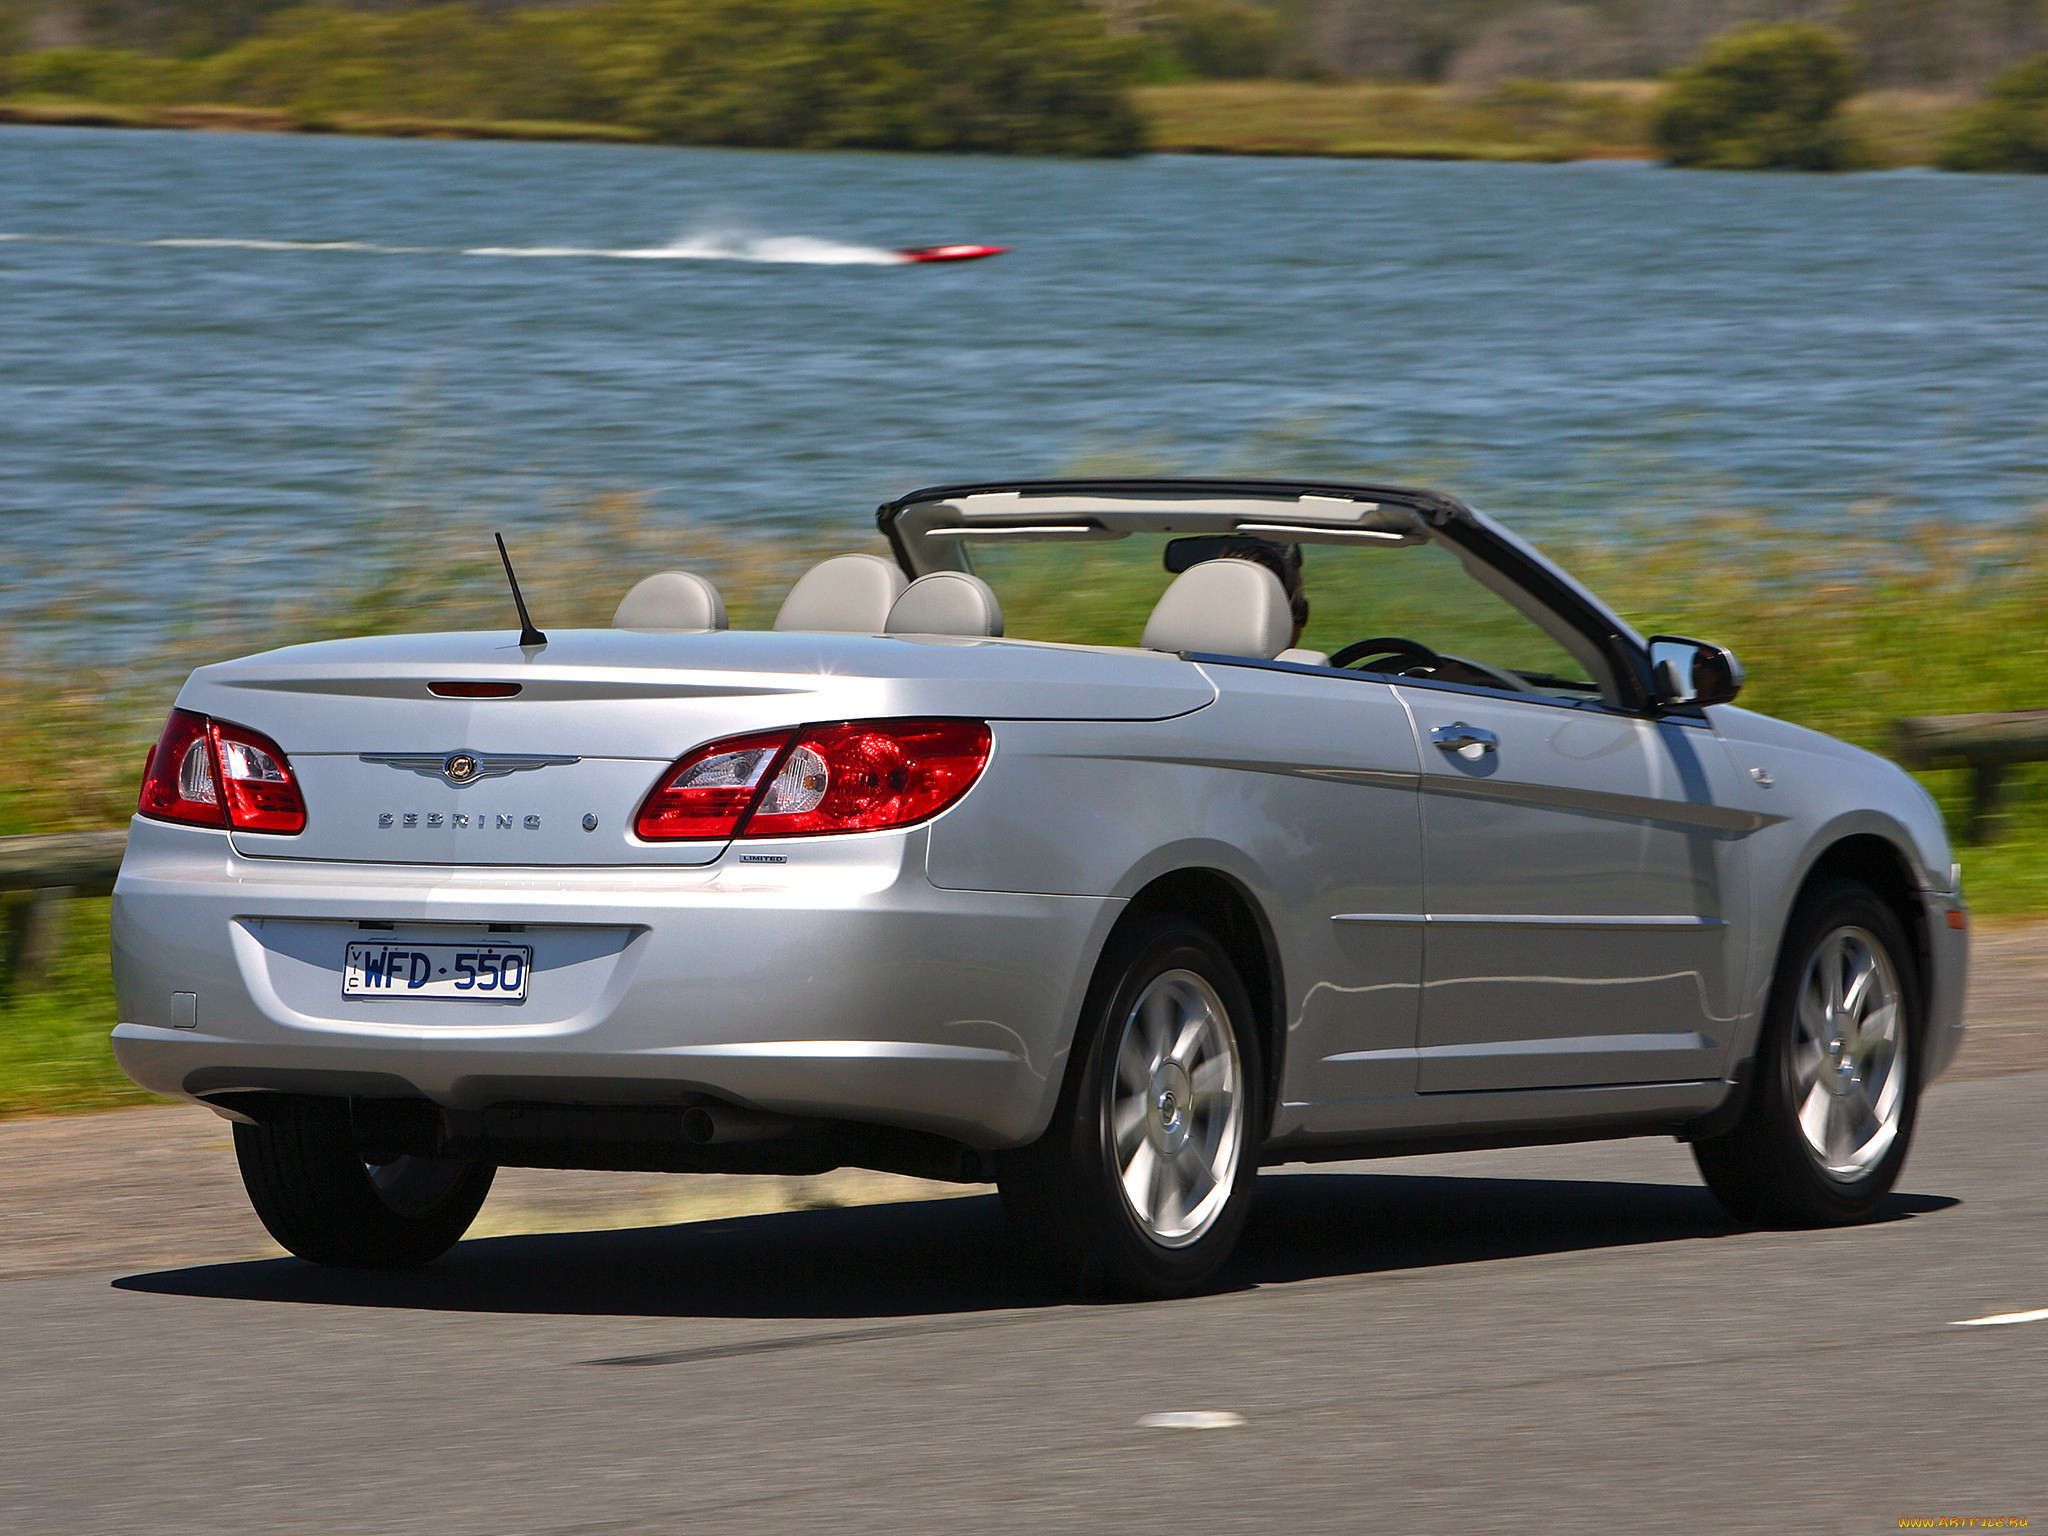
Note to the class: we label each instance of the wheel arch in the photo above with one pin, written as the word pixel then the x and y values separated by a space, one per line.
pixel 1880 862
pixel 1223 907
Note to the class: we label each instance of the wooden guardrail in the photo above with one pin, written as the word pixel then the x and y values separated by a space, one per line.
pixel 38 877
pixel 1985 744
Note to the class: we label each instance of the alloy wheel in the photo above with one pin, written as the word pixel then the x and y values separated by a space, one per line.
pixel 1174 1110
pixel 1848 1062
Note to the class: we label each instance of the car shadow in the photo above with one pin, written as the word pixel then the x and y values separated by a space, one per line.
pixel 921 1258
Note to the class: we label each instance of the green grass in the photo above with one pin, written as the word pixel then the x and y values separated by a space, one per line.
pixel 1841 629
pixel 54 1050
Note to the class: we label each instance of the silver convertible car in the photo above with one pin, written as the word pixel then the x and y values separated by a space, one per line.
pixel 1289 822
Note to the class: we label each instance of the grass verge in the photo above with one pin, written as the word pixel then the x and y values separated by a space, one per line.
pixel 1517 120
pixel 58 113
pixel 54 1052
pixel 1842 630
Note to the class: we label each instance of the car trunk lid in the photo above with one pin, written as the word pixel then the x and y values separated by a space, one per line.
pixel 553 774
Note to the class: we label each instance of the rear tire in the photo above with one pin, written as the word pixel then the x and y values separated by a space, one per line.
pixel 310 1186
pixel 1830 1115
pixel 1142 1183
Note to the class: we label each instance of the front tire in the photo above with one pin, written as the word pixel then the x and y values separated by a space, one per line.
pixel 1142 1183
pixel 1825 1132
pixel 310 1186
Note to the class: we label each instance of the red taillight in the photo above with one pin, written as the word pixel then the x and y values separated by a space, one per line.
pixel 262 796
pixel 474 690
pixel 860 776
pixel 870 774
pixel 709 791
pixel 207 773
pixel 182 783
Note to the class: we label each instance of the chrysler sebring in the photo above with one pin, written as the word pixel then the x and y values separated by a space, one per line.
pixel 1290 822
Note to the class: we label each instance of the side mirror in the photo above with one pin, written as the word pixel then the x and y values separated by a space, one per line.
pixel 1692 673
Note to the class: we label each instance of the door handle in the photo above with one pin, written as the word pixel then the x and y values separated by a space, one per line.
pixel 1461 738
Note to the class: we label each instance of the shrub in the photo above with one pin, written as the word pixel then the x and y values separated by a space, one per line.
pixel 1762 97
pixel 1020 76
pixel 2009 132
pixel 438 62
pixel 1214 40
pixel 111 75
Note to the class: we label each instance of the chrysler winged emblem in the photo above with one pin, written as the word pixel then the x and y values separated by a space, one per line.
pixel 463 767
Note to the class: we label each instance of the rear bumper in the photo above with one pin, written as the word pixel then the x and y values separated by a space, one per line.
pixel 840 984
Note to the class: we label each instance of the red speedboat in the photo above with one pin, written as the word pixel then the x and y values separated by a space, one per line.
pixel 950 252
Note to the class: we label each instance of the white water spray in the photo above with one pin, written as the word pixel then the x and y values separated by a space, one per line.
pixel 722 245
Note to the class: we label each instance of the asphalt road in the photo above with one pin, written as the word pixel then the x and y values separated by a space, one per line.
pixel 1564 1339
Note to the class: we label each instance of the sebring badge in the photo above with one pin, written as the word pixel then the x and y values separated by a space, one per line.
pixel 461 821
pixel 460 768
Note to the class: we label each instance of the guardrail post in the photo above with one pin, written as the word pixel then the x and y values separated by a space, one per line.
pixel 1987 799
pixel 39 876
pixel 35 934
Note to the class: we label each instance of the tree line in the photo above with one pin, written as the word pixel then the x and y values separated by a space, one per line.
pixel 1005 76
pixel 1028 76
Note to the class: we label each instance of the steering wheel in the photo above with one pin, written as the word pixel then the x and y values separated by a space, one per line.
pixel 1414 652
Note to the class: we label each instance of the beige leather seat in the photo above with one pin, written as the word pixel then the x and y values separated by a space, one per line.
pixel 1228 607
pixel 672 600
pixel 1305 658
pixel 946 603
pixel 846 595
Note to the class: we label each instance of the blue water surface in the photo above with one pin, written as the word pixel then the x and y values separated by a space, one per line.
pixel 254 343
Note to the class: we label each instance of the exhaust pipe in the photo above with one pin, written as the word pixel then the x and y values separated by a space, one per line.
pixel 707 1124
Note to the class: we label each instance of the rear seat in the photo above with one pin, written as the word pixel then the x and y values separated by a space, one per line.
pixel 672 600
pixel 848 594
pixel 946 603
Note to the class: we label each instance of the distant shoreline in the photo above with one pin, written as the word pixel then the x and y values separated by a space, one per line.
pixel 218 119
pixel 1520 122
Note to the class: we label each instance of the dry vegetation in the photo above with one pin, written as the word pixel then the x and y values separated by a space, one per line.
pixel 1514 120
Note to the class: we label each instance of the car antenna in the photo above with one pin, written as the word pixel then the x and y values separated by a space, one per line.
pixel 528 635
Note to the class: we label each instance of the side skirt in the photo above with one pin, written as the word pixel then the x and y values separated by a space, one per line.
pixel 1474 1122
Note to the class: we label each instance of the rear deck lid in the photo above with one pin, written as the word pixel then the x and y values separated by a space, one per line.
pixel 400 762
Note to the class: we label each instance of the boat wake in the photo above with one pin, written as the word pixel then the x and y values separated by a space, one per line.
pixel 195 242
pixel 798 250
pixel 285 245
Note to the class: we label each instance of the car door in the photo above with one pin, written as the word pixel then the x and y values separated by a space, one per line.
pixel 1585 886
pixel 1323 794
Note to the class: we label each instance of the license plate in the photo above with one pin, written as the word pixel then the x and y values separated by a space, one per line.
pixel 469 972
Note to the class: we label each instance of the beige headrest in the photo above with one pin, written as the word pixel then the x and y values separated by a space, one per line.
pixel 671 600
pixel 846 595
pixel 1230 607
pixel 946 603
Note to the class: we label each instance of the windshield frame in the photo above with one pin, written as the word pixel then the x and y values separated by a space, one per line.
pixel 1309 511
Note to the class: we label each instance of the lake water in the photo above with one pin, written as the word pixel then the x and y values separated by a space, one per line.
pixel 256 342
